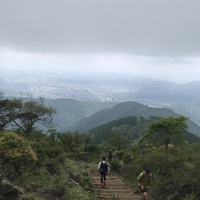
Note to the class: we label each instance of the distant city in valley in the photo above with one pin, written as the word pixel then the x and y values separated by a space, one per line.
pixel 109 87
pixel 92 87
pixel 113 87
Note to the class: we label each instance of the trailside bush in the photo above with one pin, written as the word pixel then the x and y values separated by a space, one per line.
pixel 175 173
pixel 16 155
pixel 31 196
pixel 190 197
pixel 127 157
pixel 115 166
pixel 93 149
pixel 119 154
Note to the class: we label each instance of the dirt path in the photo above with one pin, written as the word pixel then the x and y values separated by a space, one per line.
pixel 115 187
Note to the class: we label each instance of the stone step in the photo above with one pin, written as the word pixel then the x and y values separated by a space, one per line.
pixel 115 188
pixel 125 197
pixel 110 182
pixel 119 186
pixel 107 177
pixel 118 191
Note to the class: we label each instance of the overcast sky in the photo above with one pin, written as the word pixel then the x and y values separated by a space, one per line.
pixel 150 38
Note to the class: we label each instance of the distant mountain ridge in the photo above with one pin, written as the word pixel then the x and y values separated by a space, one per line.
pixel 128 109
pixel 131 127
pixel 182 98
pixel 70 111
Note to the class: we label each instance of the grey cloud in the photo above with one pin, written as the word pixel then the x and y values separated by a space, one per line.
pixel 153 27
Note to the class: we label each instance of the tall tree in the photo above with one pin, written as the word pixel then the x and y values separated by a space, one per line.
pixel 67 140
pixel 9 110
pixel 163 131
pixel 117 141
pixel 24 115
pixel 32 112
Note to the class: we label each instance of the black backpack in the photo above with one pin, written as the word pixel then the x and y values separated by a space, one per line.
pixel 104 167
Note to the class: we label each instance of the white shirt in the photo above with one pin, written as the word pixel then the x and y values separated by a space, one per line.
pixel 99 165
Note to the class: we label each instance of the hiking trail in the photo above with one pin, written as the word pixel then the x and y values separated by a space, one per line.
pixel 115 187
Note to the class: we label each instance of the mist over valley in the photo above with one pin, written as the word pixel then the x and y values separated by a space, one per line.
pixel 83 94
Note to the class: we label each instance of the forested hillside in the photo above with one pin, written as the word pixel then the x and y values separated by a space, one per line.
pixel 127 109
pixel 48 165
pixel 131 127
pixel 69 111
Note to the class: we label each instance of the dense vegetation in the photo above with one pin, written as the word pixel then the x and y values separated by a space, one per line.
pixel 38 164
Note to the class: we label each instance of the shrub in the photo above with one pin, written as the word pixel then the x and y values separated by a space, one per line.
pixel 16 155
pixel 190 197
pixel 127 157
pixel 115 166
pixel 31 196
pixel 172 172
pixel 93 149
pixel 119 154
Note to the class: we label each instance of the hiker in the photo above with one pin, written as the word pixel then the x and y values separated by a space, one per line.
pixel 103 169
pixel 144 180
pixel 110 156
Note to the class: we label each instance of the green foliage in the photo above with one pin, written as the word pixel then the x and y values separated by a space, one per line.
pixel 64 155
pixel 16 155
pixel 47 150
pixel 76 194
pixel 86 140
pixel 24 115
pixel 164 131
pixel 125 126
pixel 30 196
pixel 125 109
pixel 115 166
pixel 70 111
pixel 190 197
pixel 119 154
pixel 115 141
pixel 175 172
pixel 127 157
pixel 66 140
pixel 9 110
pixel 73 142
pixel 49 178
pixel 33 112
pixel 78 140
pixel 93 149
pixel 78 149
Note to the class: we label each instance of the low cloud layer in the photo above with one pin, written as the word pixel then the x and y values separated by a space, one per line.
pixel 149 38
pixel 153 27
pixel 165 68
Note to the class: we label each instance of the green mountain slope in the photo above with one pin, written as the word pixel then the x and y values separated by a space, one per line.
pixel 127 109
pixel 70 111
pixel 131 127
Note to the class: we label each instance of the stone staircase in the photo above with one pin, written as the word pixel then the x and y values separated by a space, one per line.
pixel 115 188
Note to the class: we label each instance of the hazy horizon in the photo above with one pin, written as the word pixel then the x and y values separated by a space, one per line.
pixel 154 39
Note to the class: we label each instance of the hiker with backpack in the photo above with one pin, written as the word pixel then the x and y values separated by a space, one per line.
pixel 110 156
pixel 144 180
pixel 103 169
